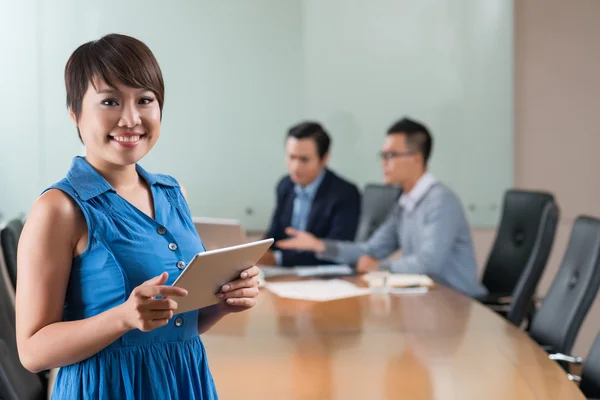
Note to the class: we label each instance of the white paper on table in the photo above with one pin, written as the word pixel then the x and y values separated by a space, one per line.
pixel 317 290
pixel 320 270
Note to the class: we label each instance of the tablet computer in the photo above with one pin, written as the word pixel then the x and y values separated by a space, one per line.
pixel 209 271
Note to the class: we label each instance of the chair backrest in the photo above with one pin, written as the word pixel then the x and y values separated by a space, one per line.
pixel 5 280
pixel 9 240
pixel 573 290
pixel 16 382
pixel 523 294
pixel 377 203
pixel 590 374
pixel 523 240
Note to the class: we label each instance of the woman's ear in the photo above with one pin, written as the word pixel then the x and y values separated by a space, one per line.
pixel 73 116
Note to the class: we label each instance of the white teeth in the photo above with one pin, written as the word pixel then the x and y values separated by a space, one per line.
pixel 127 139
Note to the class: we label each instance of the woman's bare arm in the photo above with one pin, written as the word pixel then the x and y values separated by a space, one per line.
pixel 55 231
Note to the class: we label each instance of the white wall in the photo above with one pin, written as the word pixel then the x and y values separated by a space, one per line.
pixel 20 148
pixel 238 74
pixel 233 79
pixel 445 62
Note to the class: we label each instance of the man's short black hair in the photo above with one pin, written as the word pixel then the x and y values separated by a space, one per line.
pixel 312 130
pixel 418 138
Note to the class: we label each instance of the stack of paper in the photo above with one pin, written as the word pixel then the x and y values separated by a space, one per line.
pixel 317 290
pixel 409 280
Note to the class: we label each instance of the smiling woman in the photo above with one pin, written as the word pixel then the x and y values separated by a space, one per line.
pixel 102 247
pixel 115 93
pixel 120 116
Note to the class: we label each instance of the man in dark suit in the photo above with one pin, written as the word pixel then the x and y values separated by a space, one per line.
pixel 311 198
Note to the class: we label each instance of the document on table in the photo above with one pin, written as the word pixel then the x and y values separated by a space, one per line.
pixel 308 271
pixel 272 272
pixel 324 270
pixel 317 290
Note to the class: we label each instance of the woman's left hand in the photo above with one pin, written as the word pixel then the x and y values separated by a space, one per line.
pixel 240 294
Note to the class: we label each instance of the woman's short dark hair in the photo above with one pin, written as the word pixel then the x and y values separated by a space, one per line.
pixel 112 57
pixel 312 130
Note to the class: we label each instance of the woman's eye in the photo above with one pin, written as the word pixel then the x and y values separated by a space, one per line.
pixel 146 100
pixel 110 102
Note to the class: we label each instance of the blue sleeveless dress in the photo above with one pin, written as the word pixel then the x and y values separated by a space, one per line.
pixel 125 248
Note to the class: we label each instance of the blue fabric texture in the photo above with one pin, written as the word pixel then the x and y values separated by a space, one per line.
pixel 125 248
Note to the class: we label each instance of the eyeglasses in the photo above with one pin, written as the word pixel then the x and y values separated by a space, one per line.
pixel 389 155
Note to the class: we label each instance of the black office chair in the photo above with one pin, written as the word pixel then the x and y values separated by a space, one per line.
pixel 16 383
pixel 589 381
pixel 9 240
pixel 520 252
pixel 7 305
pixel 573 290
pixel 590 374
pixel 377 203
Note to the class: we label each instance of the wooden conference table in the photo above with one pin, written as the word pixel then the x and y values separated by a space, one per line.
pixel 439 345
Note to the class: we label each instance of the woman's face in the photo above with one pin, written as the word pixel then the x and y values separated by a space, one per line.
pixel 118 125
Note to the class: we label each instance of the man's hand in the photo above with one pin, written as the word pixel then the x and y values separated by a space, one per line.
pixel 367 264
pixel 301 240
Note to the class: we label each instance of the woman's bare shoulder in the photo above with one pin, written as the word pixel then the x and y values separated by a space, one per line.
pixel 56 212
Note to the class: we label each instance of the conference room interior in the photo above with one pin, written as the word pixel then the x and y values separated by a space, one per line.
pixel 509 90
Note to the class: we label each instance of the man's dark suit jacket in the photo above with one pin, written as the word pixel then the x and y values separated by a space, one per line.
pixel 334 214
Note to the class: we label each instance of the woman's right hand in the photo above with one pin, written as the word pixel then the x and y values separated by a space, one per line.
pixel 144 311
